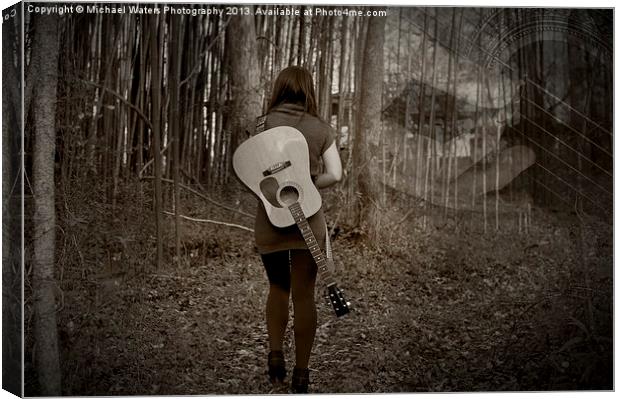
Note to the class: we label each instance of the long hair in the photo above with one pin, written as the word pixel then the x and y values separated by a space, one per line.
pixel 294 85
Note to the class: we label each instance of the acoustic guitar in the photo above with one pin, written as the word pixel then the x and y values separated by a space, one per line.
pixel 275 165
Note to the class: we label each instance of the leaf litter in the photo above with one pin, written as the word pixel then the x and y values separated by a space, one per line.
pixel 433 311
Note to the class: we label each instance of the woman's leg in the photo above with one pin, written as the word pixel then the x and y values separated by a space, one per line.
pixel 303 277
pixel 276 312
pixel 277 316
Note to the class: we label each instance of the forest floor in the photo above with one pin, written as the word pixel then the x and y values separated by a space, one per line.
pixel 441 308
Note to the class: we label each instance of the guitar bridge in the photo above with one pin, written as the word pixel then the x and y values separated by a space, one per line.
pixel 275 168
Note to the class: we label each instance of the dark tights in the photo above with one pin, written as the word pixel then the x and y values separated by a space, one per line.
pixel 298 280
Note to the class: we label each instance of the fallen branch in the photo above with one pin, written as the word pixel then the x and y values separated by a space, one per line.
pixel 146 165
pixel 201 188
pixel 201 195
pixel 122 99
pixel 171 277
pixel 211 221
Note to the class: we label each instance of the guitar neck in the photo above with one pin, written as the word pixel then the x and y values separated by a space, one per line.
pixel 313 245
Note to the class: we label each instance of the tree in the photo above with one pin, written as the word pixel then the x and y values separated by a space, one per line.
pixel 155 46
pixel 45 43
pixel 243 78
pixel 368 132
pixel 175 55
pixel 11 210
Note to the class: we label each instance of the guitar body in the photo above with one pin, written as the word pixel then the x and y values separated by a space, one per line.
pixel 275 165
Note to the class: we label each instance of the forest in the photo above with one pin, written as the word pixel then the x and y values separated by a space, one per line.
pixel 472 230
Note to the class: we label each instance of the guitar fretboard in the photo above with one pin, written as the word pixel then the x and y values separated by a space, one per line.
pixel 313 245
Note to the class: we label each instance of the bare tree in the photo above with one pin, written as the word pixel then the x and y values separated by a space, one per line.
pixel 174 56
pixel 155 46
pixel 368 132
pixel 244 78
pixel 11 210
pixel 44 284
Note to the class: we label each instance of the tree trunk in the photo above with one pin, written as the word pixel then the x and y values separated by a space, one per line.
pixel 144 42
pixel 155 46
pixel 431 153
pixel 175 55
pixel 368 133
pixel 11 210
pixel 244 79
pixel 421 111
pixel 342 78
pixel 301 43
pixel 44 284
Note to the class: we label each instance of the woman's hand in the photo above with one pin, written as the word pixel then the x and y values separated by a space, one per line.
pixel 333 168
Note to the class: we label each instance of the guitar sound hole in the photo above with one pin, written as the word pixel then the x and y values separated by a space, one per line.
pixel 289 195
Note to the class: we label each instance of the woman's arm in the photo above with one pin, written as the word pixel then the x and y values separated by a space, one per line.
pixel 333 168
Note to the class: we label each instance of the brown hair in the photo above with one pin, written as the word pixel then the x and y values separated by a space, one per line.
pixel 294 85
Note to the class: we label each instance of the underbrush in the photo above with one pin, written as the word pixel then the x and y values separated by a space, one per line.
pixel 438 304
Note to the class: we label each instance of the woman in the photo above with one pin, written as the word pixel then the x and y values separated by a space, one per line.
pixel 290 267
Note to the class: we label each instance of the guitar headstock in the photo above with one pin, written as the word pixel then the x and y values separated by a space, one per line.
pixel 335 297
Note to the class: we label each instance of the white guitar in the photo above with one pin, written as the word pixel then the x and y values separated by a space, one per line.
pixel 275 165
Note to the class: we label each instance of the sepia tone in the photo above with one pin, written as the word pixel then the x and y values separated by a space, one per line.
pixel 472 229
